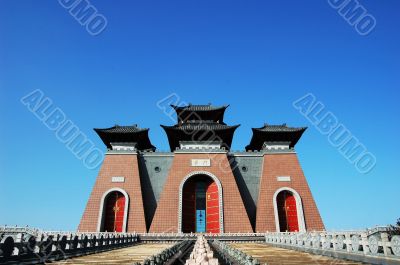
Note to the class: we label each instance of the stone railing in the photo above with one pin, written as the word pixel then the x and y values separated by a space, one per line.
pixel 370 246
pixel 20 229
pixel 173 237
pixel 374 246
pixel 38 247
pixel 232 256
pixel 169 255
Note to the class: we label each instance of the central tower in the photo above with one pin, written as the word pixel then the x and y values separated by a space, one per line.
pixel 208 198
pixel 200 126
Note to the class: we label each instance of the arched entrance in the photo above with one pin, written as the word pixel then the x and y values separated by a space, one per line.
pixel 287 212
pixel 114 212
pixel 200 202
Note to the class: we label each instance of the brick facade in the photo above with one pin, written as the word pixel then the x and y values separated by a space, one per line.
pixel 284 164
pixel 166 216
pixel 235 216
pixel 125 165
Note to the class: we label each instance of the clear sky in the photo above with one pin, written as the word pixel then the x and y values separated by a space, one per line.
pixel 257 56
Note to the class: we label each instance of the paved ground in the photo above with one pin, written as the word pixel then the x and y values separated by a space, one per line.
pixel 119 256
pixel 262 252
pixel 279 256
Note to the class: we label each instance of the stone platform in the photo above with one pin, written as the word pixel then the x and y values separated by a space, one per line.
pixel 279 256
pixel 26 246
pixel 124 256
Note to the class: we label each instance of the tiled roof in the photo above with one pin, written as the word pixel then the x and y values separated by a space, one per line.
pixel 126 134
pixel 275 133
pixel 121 129
pixel 191 107
pixel 279 128
pixel 201 125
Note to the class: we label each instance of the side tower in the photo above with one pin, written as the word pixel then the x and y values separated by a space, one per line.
pixel 200 193
pixel 285 202
pixel 116 204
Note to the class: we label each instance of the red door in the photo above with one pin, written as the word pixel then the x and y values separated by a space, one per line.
pixel 212 224
pixel 189 207
pixel 115 210
pixel 287 211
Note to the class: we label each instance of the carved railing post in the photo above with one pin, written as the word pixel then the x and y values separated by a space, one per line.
pixel 348 242
pixel 385 243
pixel 364 243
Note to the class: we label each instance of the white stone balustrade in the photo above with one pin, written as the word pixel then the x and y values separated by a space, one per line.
pixel 19 243
pixel 369 243
pixel 202 253
pixel 376 244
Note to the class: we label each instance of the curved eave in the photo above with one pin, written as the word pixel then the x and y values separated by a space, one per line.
pixel 261 136
pixel 212 108
pixel 176 134
pixel 115 129
pixel 212 113
pixel 287 129
pixel 140 137
pixel 181 128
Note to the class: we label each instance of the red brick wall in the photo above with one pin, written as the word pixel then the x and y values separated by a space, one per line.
pixel 166 216
pixel 284 165
pixel 117 165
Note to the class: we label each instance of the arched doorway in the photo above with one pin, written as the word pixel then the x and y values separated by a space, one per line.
pixel 200 205
pixel 114 212
pixel 287 212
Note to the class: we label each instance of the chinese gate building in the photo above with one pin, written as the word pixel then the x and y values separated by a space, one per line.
pixel 201 186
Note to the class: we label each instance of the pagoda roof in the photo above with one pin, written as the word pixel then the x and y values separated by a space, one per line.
pixel 192 107
pixel 200 112
pixel 275 133
pixel 200 125
pixel 198 131
pixel 126 134
pixel 278 128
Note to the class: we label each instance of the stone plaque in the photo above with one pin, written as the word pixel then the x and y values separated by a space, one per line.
pixel 201 162
pixel 118 179
pixel 283 178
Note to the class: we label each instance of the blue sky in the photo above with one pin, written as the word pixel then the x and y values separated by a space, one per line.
pixel 257 56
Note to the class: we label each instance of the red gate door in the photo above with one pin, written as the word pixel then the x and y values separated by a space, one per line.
pixel 291 213
pixel 287 211
pixel 189 207
pixel 212 225
pixel 115 210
